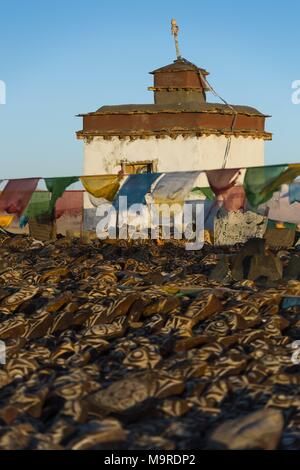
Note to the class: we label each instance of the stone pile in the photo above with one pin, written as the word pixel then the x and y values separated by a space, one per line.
pixel 139 346
pixel 256 261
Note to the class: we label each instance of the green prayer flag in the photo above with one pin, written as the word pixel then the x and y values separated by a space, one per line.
pixel 273 224
pixel 57 187
pixel 287 177
pixel 207 192
pixel 38 204
pixel 260 183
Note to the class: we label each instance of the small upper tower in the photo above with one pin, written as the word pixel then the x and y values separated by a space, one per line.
pixel 179 83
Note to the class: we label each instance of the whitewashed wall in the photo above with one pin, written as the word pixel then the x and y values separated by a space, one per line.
pixel 181 154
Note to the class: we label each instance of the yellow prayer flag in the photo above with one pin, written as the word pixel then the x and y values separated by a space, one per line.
pixel 105 186
pixel 6 220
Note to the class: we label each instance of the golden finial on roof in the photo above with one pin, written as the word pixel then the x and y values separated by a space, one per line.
pixel 175 31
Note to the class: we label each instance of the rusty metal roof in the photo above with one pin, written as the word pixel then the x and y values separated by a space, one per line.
pixel 180 65
pixel 193 107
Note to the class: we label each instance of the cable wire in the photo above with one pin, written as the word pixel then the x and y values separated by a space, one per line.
pixel 229 139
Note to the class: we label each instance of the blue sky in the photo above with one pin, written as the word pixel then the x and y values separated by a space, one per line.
pixel 59 58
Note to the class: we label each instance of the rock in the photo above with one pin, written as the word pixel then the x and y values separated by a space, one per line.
pixel 290 302
pixel 17 438
pixel 265 266
pixel 292 271
pixel 42 231
pixel 95 434
pixel 221 271
pixel 238 227
pixel 280 238
pixel 259 430
pixel 127 396
pixel 241 262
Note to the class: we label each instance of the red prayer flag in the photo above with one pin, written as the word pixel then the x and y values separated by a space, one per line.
pixel 221 180
pixel 71 202
pixel 16 195
pixel 234 198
